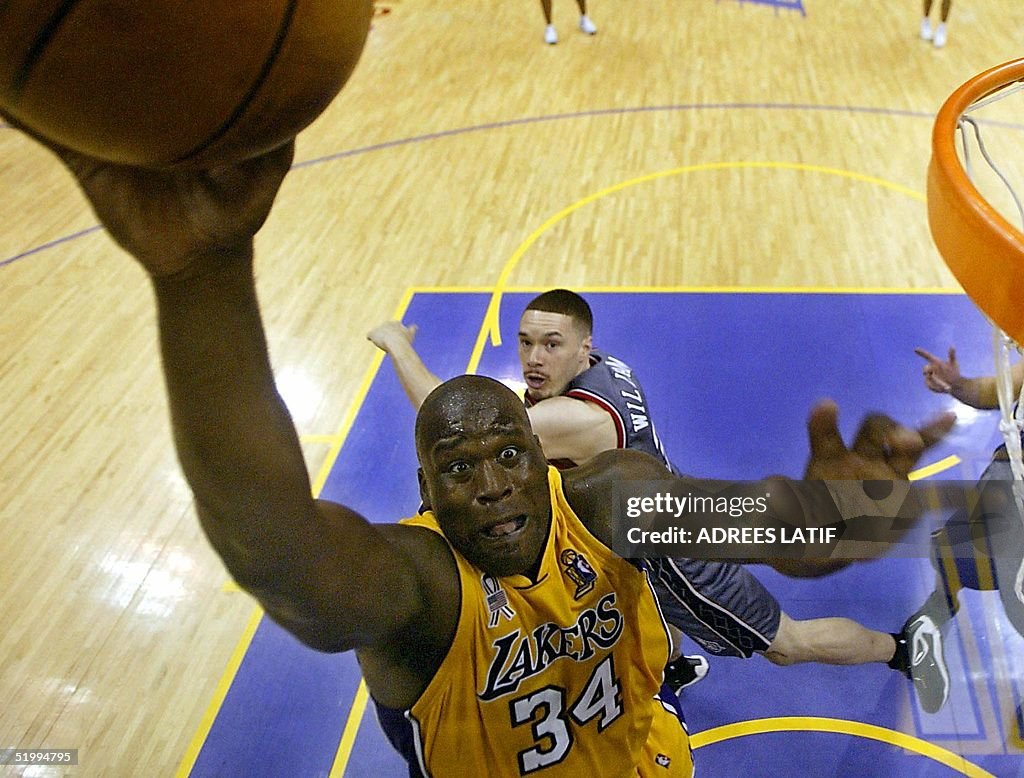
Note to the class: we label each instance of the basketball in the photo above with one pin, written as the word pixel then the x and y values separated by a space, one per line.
pixel 174 83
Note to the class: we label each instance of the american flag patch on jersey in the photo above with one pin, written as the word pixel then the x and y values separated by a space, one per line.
pixel 497 600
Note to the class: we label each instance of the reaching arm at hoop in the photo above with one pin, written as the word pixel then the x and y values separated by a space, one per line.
pixel 943 376
pixel 319 569
pixel 395 339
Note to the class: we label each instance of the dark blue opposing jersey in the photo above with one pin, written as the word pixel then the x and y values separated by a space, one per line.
pixel 610 384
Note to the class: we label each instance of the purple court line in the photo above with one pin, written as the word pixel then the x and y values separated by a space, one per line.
pixel 560 117
pixel 620 111
pixel 51 244
pixel 789 5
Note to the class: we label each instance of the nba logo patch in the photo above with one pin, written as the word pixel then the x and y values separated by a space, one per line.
pixel 579 571
pixel 497 600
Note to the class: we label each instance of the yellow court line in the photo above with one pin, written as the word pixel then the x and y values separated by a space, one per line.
pixel 228 676
pixel 950 574
pixel 318 438
pixel 981 545
pixel 210 715
pixel 936 467
pixel 494 308
pixel 353 409
pixel 839 727
pixel 355 716
pixel 414 290
pixel 348 736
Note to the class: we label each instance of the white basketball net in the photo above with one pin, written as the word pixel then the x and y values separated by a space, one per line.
pixel 1011 400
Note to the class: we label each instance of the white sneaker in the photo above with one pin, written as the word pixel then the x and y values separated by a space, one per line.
pixel 927 664
pixel 550 36
pixel 926 29
pixel 939 40
pixel 685 672
pixel 587 26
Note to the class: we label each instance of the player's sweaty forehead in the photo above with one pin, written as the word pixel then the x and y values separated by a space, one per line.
pixel 465 409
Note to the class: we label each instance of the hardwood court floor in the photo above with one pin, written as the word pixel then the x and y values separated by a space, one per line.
pixel 696 144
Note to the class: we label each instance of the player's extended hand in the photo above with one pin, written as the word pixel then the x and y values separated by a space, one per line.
pixel 939 375
pixel 167 219
pixel 883 449
pixel 385 336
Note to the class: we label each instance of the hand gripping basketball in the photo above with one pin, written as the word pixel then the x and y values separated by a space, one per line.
pixel 169 219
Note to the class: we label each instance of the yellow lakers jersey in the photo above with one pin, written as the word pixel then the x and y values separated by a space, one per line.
pixel 553 677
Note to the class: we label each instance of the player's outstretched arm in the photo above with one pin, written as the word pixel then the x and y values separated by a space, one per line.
pixel 322 571
pixel 882 450
pixel 943 376
pixel 395 339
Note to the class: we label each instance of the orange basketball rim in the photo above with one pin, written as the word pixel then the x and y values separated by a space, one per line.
pixel 983 250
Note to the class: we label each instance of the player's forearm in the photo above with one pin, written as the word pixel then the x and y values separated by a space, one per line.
pixel 976 392
pixel 416 379
pixel 234 435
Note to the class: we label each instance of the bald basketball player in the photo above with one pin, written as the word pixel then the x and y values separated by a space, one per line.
pixel 463 616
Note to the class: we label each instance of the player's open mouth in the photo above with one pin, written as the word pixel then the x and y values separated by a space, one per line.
pixel 534 380
pixel 505 528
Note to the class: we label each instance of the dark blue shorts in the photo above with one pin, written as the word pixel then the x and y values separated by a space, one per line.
pixel 398 730
pixel 720 605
